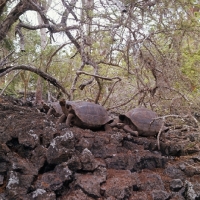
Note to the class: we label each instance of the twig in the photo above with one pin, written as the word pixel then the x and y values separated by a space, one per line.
pixel 163 122
pixel 10 82
pixel 159 133
pixel 54 53
pixel 100 89
pixel 97 76
pixel 44 75
pixel 110 91
pixel 117 106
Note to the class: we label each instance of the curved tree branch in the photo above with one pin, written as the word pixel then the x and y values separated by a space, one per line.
pixel 13 16
pixel 2 5
pixel 44 75
pixel 111 90
pixel 97 76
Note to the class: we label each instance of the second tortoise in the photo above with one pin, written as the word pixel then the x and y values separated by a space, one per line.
pixel 140 121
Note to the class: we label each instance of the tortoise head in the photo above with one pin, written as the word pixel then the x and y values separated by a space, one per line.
pixel 62 103
pixel 122 118
pixel 64 107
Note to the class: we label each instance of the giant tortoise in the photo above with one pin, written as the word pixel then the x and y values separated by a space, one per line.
pixel 55 109
pixel 140 121
pixel 85 115
pixel 52 108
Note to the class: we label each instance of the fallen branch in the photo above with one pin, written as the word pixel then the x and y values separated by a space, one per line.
pixel 163 122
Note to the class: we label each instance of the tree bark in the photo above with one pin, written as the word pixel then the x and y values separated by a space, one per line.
pixel 13 16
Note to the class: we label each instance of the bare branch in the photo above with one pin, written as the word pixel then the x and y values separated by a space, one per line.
pixel 163 122
pixel 54 53
pixel 83 85
pixel 21 36
pixel 99 91
pixel 3 90
pixel 2 5
pixel 111 90
pixel 97 76
pixel 3 62
pixel 44 75
pixel 117 106
pixel 54 28
pixel 13 16
pixel 70 10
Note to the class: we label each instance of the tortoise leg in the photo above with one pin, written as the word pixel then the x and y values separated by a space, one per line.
pixel 61 119
pixel 49 111
pixel 69 119
pixel 114 123
pixel 129 130
pixel 107 127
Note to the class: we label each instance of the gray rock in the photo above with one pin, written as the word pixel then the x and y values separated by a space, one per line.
pixel 176 185
pixel 38 157
pixel 74 163
pixel 89 183
pixel 1 179
pixel 138 196
pixel 18 185
pixel 190 194
pixel 119 184
pixel 63 172
pixel 88 161
pixel 28 139
pixel 174 172
pixel 49 181
pixel 76 194
pixel 148 181
pixel 3 167
pixel 160 195
pixel 61 149
pixel 41 194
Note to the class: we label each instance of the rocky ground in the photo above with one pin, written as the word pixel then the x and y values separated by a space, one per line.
pixel 41 161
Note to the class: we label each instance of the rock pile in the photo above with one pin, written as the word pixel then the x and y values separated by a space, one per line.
pixel 40 161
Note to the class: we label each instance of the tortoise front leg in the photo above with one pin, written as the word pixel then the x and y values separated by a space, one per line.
pixel 50 111
pixel 69 119
pixel 128 129
pixel 61 119
pixel 107 127
pixel 114 123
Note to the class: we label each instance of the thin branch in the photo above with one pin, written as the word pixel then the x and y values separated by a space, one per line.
pixel 110 91
pixel 3 61
pixel 117 106
pixel 54 53
pixel 99 91
pixel 83 85
pixel 54 28
pixel 44 75
pixel 2 5
pixel 159 133
pixel 163 122
pixel 97 76
pixel 3 90
pixel 75 81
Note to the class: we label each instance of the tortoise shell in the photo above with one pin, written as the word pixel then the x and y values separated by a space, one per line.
pixel 56 106
pixel 143 120
pixel 90 114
